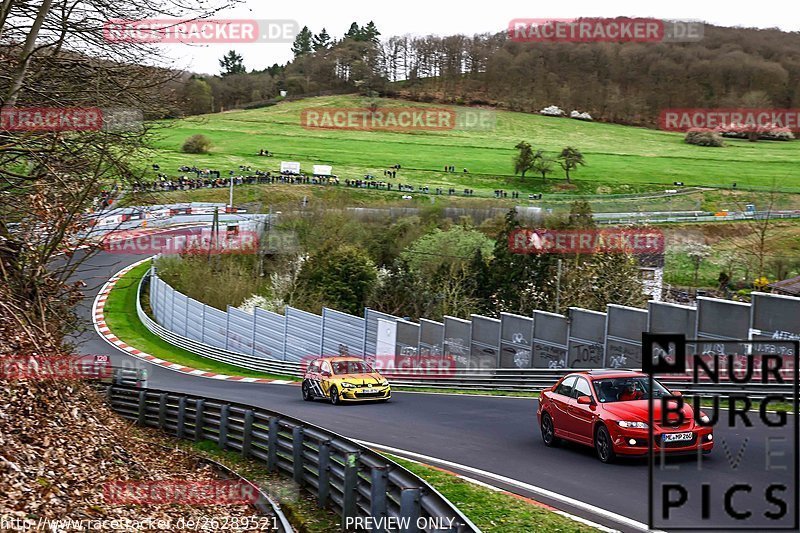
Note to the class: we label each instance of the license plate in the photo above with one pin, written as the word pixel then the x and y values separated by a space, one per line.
pixel 369 391
pixel 676 437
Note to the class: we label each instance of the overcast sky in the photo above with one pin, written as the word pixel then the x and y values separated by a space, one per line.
pixel 423 17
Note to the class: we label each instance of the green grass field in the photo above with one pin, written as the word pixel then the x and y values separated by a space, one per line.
pixel 122 320
pixel 491 510
pixel 620 159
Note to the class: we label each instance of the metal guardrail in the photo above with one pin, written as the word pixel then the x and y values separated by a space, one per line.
pixel 645 218
pixel 285 368
pixel 346 477
pixel 500 379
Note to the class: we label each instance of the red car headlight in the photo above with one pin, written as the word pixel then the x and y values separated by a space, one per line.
pixel 632 425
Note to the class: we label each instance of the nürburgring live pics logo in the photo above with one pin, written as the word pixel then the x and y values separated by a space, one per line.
pixel 750 479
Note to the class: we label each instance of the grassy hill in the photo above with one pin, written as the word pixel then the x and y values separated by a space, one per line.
pixel 619 159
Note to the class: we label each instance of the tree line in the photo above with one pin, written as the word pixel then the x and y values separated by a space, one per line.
pixel 628 83
pixel 421 266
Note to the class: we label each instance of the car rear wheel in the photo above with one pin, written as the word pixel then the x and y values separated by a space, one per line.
pixel 335 398
pixel 603 445
pixel 307 396
pixel 548 431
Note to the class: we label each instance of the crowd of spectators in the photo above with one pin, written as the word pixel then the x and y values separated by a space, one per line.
pixel 203 178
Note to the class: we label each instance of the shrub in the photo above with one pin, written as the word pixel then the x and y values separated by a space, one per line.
pixel 580 116
pixel 703 137
pixel 197 144
pixel 778 134
pixel 552 111
pixel 769 132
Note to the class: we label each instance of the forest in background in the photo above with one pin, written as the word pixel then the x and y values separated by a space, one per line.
pixel 625 83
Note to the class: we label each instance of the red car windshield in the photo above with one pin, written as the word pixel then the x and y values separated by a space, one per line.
pixel 351 367
pixel 627 389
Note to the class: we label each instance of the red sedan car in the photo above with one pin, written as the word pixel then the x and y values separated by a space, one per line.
pixel 608 409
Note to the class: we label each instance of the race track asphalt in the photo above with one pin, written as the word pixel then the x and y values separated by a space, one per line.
pixel 498 435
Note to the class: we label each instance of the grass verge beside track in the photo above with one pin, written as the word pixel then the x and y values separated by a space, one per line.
pixel 492 510
pixel 122 320
pixel 299 507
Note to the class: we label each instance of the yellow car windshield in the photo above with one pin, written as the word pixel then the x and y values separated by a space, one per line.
pixel 351 367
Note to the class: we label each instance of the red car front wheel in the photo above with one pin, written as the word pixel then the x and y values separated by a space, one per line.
pixel 604 445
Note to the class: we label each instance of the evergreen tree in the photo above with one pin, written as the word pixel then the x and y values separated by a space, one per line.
pixel 370 33
pixel 302 43
pixel 354 32
pixel 232 63
pixel 321 41
pixel 517 281
pixel 581 215
pixel 479 282
pixel 341 277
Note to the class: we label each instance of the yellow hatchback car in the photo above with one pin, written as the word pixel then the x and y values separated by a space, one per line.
pixel 344 379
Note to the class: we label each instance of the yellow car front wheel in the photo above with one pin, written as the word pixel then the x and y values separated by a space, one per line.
pixel 334 394
pixel 307 396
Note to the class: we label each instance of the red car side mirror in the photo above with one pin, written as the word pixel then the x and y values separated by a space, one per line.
pixel 585 400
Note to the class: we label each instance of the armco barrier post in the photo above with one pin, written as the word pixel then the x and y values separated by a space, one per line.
pixel 297 454
pixel 349 487
pixel 378 492
pixel 203 324
pixel 409 508
pixel 162 410
pixel 272 444
pixel 224 412
pixel 181 417
pixel 142 406
pixel 199 405
pixel 324 473
pixel 247 433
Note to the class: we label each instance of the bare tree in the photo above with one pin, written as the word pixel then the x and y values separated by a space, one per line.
pixel 757 242
pixel 56 55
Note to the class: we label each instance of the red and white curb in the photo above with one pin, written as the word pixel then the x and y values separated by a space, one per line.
pixel 99 320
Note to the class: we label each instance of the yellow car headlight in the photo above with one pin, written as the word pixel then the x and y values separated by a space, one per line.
pixel 346 385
